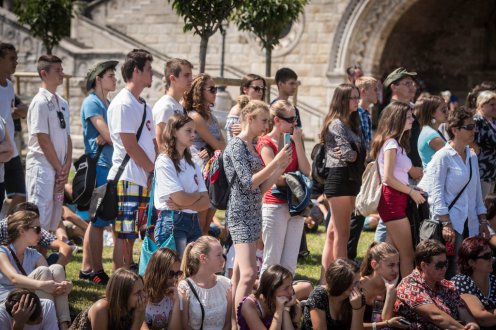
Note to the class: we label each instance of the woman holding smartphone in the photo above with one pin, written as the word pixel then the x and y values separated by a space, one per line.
pixel 280 230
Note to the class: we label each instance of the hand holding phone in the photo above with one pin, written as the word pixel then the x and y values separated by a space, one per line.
pixel 287 138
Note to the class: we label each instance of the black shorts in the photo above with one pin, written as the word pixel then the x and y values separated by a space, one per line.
pixel 339 184
pixel 15 183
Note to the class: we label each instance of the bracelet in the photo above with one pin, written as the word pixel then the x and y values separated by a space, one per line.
pixel 483 222
pixel 374 326
pixel 356 309
pixel 287 309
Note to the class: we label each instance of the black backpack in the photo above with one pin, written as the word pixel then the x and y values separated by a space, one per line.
pixel 84 180
pixel 319 169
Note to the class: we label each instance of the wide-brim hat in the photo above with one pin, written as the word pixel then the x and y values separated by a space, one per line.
pixel 396 75
pixel 96 70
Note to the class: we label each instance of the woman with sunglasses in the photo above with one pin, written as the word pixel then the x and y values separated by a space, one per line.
pixel 24 267
pixel 454 172
pixel 162 310
pixel 425 299
pixel 280 230
pixel 197 103
pixel 253 86
pixel 431 111
pixel 475 283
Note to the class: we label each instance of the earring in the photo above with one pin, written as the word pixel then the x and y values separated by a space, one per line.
pixel 433 121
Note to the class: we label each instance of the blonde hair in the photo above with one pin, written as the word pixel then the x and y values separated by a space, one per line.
pixel 484 97
pixel 278 109
pixel 191 257
pixel 253 108
pixel 365 82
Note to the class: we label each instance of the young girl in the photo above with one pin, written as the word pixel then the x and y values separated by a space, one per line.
pixel 280 230
pixel 24 267
pixel 180 191
pixel 345 151
pixel 337 305
pixel 380 273
pixel 274 305
pixel 207 297
pixel 249 180
pixel 253 87
pixel 389 148
pixel 197 102
pixel 123 307
pixel 162 272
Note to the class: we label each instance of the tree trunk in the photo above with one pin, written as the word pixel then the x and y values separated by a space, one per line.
pixel 203 52
pixel 268 63
pixel 48 47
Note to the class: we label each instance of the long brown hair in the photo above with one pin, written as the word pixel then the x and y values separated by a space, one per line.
pixel 168 136
pixel 157 273
pixel 119 289
pixel 391 126
pixel 377 251
pixel 425 109
pixel 193 98
pixel 340 109
pixel 18 220
pixel 247 80
pixel 270 281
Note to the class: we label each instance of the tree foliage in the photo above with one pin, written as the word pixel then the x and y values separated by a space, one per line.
pixel 204 18
pixel 49 20
pixel 268 19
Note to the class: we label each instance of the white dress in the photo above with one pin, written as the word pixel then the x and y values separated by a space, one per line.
pixel 213 300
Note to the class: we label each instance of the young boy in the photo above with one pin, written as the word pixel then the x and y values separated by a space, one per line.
pixel 287 84
pixel 49 157
pixel 178 78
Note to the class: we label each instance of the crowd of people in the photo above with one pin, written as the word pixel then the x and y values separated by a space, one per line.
pixel 434 159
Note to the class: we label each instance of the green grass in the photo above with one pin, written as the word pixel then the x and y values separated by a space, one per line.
pixel 84 294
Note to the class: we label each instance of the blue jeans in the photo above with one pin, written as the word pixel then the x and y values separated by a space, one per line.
pixel 185 228
pixel 380 232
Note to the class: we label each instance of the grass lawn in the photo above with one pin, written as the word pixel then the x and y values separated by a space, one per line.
pixel 84 293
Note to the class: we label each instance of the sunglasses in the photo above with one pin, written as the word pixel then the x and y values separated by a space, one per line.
pixel 177 274
pixel 258 89
pixel 37 229
pixel 212 89
pixel 441 264
pixel 289 120
pixel 485 256
pixel 61 118
pixel 469 127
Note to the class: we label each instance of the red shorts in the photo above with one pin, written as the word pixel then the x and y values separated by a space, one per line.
pixel 392 205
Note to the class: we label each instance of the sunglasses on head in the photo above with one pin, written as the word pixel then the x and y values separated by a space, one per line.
pixel 61 118
pixel 258 89
pixel 289 120
pixel 485 256
pixel 441 264
pixel 177 274
pixel 469 127
pixel 212 89
pixel 37 229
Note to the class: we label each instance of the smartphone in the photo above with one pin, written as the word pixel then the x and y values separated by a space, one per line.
pixel 404 321
pixel 287 138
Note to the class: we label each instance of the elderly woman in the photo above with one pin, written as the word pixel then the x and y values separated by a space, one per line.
pixel 452 182
pixel 476 284
pixel 425 298
pixel 485 123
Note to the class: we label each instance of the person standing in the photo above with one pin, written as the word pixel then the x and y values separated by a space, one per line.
pixel 99 82
pixel 125 116
pixel 287 85
pixel 49 157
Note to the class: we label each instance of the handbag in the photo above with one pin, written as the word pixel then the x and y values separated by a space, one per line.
pixel 106 208
pixel 433 229
pixel 85 179
pixel 369 196
pixel 149 246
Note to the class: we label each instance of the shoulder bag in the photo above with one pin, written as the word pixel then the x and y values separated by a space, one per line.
pixel 199 301
pixel 370 193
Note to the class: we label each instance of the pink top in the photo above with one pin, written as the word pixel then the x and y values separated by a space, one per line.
pixel 402 164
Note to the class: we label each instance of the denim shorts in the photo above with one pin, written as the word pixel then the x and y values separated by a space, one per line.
pixel 185 228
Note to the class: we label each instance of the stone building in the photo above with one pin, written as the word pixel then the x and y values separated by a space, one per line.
pixel 450 43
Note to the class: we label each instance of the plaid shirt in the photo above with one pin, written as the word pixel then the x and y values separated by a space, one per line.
pixel 366 126
pixel 45 237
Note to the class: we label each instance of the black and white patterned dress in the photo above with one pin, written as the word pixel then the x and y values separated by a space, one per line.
pixel 486 139
pixel 465 285
pixel 244 209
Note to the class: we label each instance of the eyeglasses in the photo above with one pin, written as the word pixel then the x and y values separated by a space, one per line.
pixel 61 118
pixel 212 89
pixel 177 274
pixel 441 264
pixel 289 120
pixel 258 89
pixel 37 229
pixel 408 84
pixel 354 98
pixel 469 127
pixel 485 256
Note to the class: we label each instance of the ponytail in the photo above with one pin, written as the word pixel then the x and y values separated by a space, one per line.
pixel 377 251
pixel 191 257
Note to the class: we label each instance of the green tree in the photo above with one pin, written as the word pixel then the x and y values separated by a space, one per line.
pixel 268 19
pixel 204 17
pixel 49 20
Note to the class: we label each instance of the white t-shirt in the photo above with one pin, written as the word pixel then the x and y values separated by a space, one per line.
pixel 43 117
pixel 402 165
pixel 168 180
pixel 7 103
pixel 124 116
pixel 49 321
pixel 165 107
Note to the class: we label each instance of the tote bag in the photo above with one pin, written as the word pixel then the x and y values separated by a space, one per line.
pixel 369 196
